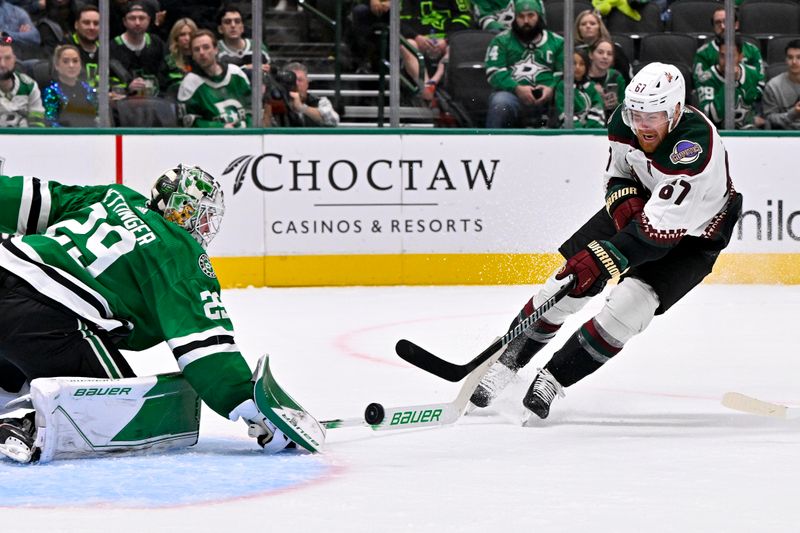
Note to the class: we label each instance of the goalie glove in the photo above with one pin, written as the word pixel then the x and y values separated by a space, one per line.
pixel 624 200
pixel 592 267
pixel 268 436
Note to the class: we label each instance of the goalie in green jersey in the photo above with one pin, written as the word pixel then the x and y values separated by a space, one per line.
pixel 98 269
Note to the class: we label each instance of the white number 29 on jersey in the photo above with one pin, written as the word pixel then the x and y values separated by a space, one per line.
pixel 213 307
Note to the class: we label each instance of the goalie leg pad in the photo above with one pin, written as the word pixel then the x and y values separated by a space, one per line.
pixel 86 417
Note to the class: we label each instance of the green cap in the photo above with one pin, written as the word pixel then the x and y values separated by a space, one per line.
pixel 528 5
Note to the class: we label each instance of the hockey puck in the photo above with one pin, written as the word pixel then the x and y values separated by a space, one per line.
pixel 374 414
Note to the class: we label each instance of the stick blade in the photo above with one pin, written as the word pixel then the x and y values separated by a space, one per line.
pixel 754 406
pixel 422 358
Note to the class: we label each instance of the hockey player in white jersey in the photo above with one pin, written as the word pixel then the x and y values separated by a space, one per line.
pixel 670 209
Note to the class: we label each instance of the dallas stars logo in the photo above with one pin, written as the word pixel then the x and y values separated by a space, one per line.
pixel 527 69
pixel 205 266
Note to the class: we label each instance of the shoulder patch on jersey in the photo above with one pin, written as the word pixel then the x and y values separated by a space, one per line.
pixel 685 152
pixel 188 86
pixel 205 265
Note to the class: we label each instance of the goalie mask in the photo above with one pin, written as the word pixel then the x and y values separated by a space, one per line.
pixel 191 198
pixel 656 89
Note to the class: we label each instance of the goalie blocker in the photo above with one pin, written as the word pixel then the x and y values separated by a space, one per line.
pixel 86 417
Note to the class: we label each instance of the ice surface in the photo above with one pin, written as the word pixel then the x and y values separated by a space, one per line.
pixel 642 445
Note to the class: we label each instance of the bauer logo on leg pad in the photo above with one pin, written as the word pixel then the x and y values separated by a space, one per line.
pixel 103 391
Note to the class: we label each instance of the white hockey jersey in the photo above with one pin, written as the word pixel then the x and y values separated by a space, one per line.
pixel 687 178
pixel 22 106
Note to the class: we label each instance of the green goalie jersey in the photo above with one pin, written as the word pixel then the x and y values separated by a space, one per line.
pixel 510 62
pixel 100 252
pixel 214 102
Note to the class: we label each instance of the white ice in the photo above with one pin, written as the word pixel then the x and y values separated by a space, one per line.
pixel 643 445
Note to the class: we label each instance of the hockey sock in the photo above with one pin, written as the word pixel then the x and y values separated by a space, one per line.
pixel 585 351
pixel 522 349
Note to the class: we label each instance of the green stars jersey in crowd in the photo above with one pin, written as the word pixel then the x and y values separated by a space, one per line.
pixel 509 62
pixel 100 252
pixel 711 97
pixel 707 57
pixel 216 101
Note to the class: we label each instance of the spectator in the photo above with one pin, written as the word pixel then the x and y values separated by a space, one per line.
pixel 179 58
pixel 711 91
pixel 588 106
pixel 68 100
pixel 607 80
pixel 85 38
pixel 782 95
pixel 365 46
pixel 140 53
pixel 523 66
pixel 20 98
pixel 589 29
pixel 705 60
pixel 119 8
pixel 53 26
pixel 214 95
pixel 307 109
pixel 234 47
pixel 494 15
pixel 426 24
pixel 17 23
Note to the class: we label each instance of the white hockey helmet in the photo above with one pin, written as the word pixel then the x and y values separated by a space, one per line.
pixel 191 198
pixel 657 87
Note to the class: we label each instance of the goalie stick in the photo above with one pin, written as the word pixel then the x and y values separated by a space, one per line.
pixel 426 415
pixel 754 406
pixel 422 358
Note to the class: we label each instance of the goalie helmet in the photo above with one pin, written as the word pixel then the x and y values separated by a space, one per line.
pixel 657 87
pixel 191 198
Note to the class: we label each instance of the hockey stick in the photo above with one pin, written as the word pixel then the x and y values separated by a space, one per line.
pixel 422 358
pixel 754 406
pixel 418 416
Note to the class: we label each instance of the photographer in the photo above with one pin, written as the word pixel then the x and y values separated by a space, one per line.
pixel 213 95
pixel 299 109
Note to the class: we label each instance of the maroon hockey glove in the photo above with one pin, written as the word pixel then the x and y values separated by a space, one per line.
pixel 592 267
pixel 624 200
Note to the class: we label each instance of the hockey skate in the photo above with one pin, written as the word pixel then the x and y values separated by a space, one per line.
pixel 541 393
pixel 501 373
pixel 17 436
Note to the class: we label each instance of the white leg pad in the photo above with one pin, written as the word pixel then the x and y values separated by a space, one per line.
pixel 88 417
pixel 629 308
pixel 564 308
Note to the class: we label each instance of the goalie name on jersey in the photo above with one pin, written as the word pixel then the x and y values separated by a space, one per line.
pixel 141 231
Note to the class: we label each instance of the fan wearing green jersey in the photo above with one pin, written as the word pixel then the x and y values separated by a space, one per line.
pixel 95 270
pixel 523 65
pixel 588 103
pixel 213 95
pixel 706 57
pixel 670 209
pixel 711 91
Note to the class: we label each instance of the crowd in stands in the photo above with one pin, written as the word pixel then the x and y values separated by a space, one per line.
pixel 190 63
pixel 165 68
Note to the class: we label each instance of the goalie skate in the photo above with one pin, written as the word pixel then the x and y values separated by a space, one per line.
pixel 17 436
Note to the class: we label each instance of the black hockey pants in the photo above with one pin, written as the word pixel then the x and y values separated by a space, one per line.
pixel 40 338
